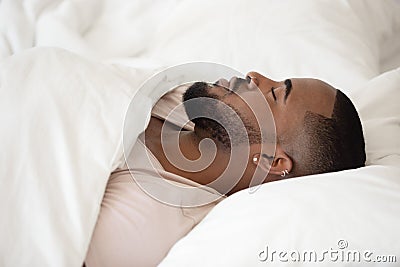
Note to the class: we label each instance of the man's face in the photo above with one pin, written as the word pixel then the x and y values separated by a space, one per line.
pixel 288 100
pixel 270 107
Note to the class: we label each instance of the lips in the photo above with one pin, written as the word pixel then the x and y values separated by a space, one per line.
pixel 223 82
pixel 232 82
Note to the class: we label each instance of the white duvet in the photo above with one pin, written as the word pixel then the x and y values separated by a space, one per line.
pixel 62 116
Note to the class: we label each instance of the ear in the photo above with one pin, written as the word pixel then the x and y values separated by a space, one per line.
pixel 281 162
pixel 275 165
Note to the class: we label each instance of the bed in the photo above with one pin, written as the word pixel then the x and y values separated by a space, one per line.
pixel 68 72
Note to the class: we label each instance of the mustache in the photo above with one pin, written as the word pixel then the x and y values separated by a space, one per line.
pixel 238 83
pixel 234 85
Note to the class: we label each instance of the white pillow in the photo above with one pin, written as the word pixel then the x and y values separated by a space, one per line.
pixel 378 105
pixel 337 41
pixel 313 213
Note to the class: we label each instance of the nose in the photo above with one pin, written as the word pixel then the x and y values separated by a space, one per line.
pixel 261 81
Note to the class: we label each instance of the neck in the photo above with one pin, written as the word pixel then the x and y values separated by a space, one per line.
pixel 197 160
pixel 186 154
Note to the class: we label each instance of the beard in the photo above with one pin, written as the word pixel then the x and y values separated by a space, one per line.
pixel 220 121
pixel 196 90
pixel 197 103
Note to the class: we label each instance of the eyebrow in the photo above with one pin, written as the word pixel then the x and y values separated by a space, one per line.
pixel 289 87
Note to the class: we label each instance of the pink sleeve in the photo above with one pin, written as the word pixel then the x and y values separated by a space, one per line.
pixel 166 104
pixel 133 229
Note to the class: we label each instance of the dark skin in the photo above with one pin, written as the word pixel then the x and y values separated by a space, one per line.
pixel 288 102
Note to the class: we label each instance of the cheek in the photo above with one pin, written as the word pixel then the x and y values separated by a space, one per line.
pixel 239 105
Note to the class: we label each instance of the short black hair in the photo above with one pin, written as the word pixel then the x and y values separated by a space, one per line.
pixel 324 144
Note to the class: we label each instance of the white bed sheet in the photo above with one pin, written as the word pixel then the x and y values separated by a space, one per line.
pixel 343 42
pixel 62 119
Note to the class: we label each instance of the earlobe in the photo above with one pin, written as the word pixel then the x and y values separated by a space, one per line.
pixel 281 164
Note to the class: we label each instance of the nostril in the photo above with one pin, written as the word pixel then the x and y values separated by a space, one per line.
pixel 252 79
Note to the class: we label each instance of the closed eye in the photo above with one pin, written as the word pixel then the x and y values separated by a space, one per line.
pixel 273 93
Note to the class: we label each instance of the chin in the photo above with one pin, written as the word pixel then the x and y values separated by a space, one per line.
pixel 198 89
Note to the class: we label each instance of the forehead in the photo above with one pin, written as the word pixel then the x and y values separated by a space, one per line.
pixel 312 95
